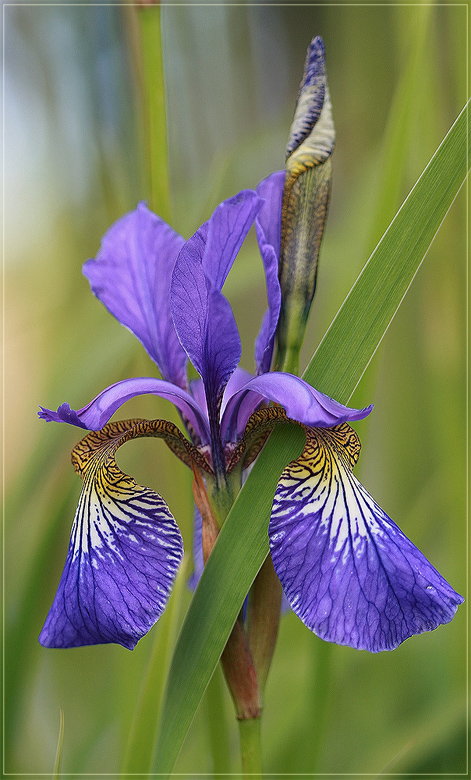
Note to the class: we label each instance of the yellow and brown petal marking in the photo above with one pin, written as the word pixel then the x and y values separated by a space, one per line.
pixel 347 570
pixel 125 546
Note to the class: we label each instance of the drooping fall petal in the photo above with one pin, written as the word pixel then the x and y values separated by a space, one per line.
pixel 348 571
pixel 124 551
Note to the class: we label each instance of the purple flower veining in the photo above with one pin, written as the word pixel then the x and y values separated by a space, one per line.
pixel 346 569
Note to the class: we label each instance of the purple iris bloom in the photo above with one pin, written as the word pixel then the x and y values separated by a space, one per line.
pixel 346 568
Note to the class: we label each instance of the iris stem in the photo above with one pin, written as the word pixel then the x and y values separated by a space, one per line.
pixel 263 619
pixel 318 689
pixel 217 724
pixel 142 732
pixel 236 660
pixel 250 748
pixel 155 118
pixel 287 360
pixel 222 496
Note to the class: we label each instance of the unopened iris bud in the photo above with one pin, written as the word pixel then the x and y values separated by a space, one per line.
pixel 305 199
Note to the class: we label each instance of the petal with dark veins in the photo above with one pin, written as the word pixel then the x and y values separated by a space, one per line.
pixel 131 277
pixel 124 551
pixel 348 571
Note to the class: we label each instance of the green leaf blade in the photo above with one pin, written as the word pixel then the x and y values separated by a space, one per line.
pixel 240 550
pixel 361 323
pixel 371 304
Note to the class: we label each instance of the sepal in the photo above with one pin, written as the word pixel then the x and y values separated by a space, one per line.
pixel 348 571
pixel 124 551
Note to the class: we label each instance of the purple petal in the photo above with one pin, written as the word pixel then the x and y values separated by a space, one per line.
pixel 97 413
pixel 197 391
pixel 238 380
pixel 301 402
pixel 205 325
pixel 236 414
pixel 198 562
pixel 348 571
pixel 227 229
pixel 124 552
pixel 63 414
pixel 202 316
pixel 268 227
pixel 131 277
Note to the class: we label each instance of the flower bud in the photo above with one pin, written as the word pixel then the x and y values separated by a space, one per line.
pixel 304 207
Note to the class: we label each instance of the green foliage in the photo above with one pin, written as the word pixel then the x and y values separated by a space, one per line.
pixel 378 292
pixel 240 550
pixel 365 316
pixel 232 74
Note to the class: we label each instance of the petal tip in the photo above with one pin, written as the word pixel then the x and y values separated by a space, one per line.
pixel 315 61
pixel 64 414
pixel 350 574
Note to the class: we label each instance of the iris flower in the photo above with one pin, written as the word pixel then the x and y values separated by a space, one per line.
pixel 347 570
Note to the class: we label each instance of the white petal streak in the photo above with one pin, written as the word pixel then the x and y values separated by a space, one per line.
pixel 124 552
pixel 348 571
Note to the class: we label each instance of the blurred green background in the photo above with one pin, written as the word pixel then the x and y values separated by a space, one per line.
pixel 74 162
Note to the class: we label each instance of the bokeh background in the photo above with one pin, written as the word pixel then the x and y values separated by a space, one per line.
pixel 74 163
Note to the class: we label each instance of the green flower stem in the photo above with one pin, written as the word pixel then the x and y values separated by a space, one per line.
pixel 250 747
pixel 142 733
pixel 317 699
pixel 236 660
pixel 222 497
pixel 217 724
pixel 155 121
pixel 240 674
pixel 264 619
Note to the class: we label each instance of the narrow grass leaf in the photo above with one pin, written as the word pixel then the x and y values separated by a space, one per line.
pixel 240 550
pixel 364 317
pixel 361 323
pixel 57 763
pixel 142 737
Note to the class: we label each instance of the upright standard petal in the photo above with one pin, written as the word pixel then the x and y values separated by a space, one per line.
pixel 97 413
pixel 124 550
pixel 131 277
pixel 301 402
pixel 348 571
pixel 268 228
pixel 202 315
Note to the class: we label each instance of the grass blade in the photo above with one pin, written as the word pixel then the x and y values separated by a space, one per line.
pixel 141 742
pixel 362 322
pixel 371 304
pixel 60 739
pixel 240 550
